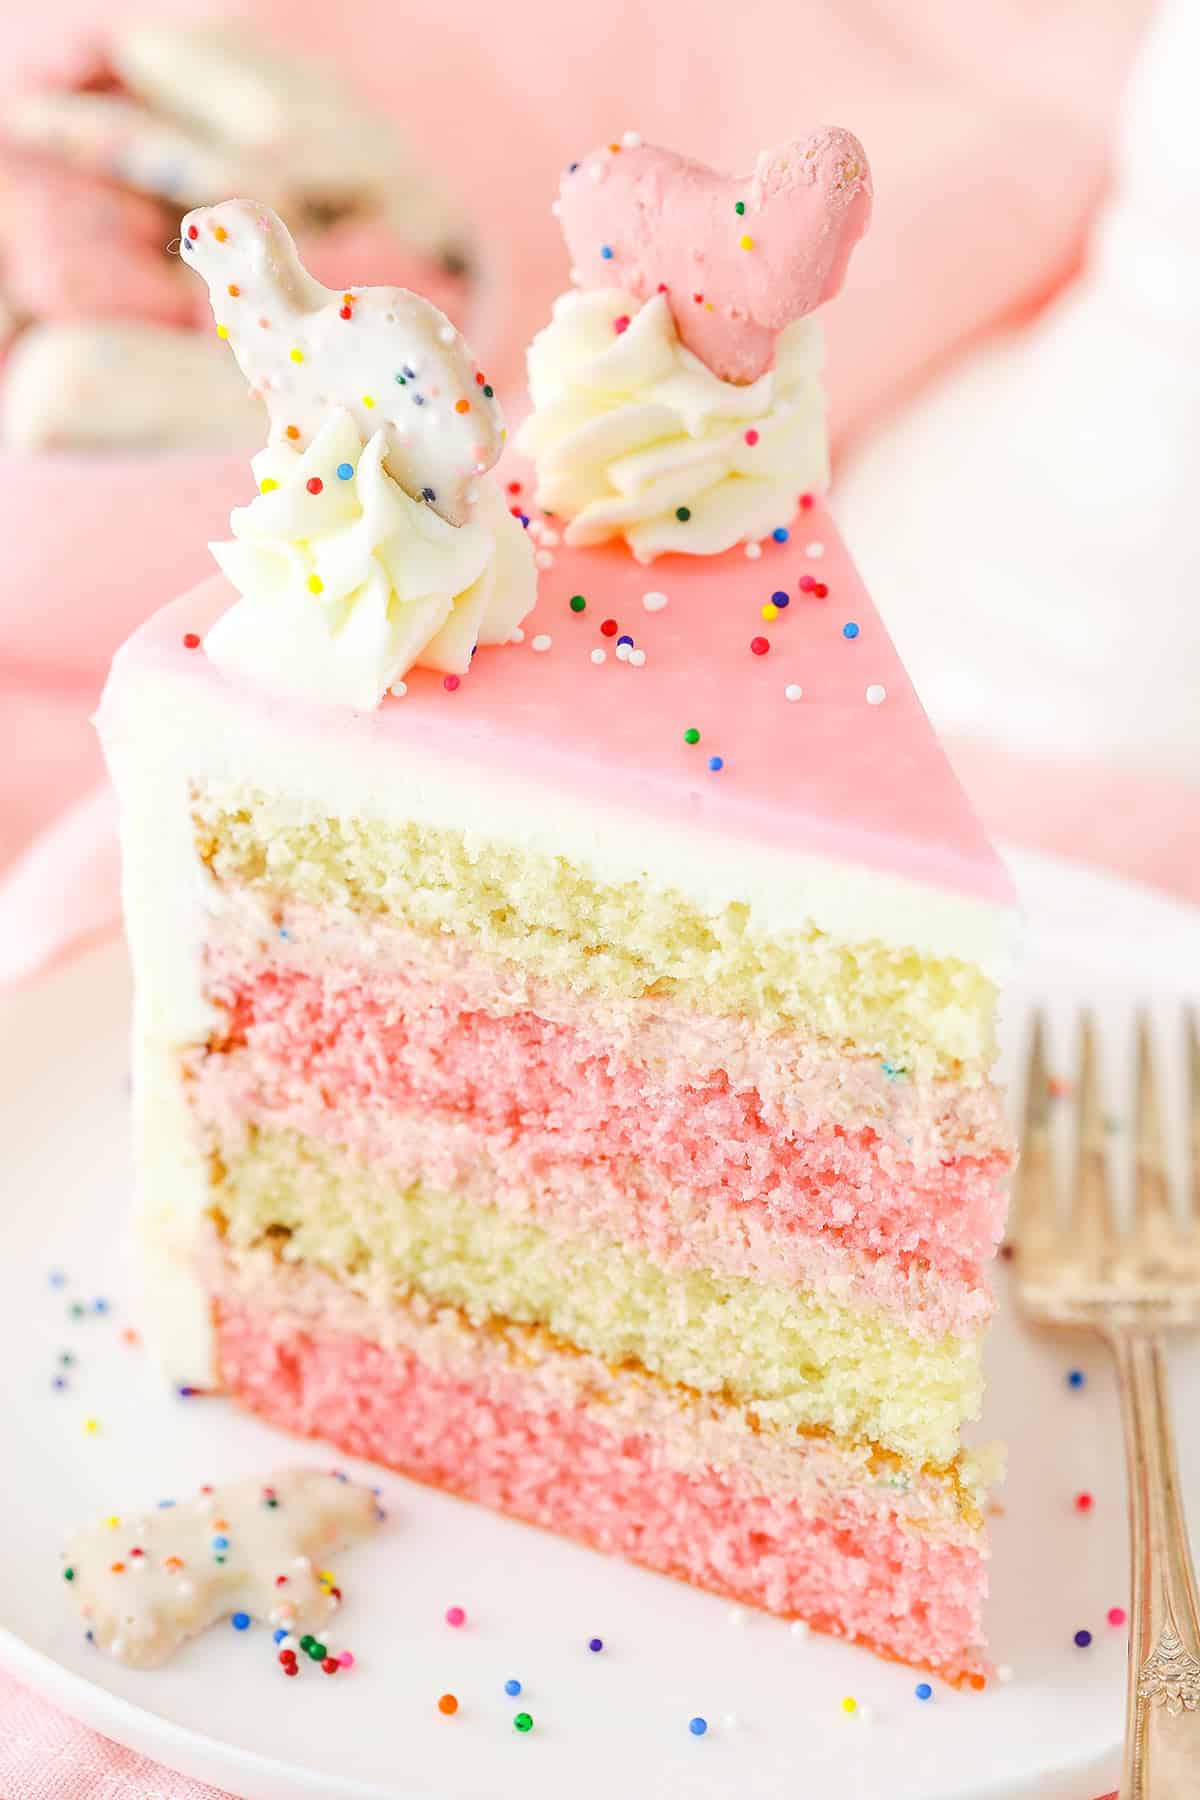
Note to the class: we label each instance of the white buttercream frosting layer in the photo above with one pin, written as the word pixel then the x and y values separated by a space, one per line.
pixel 347 582
pixel 635 437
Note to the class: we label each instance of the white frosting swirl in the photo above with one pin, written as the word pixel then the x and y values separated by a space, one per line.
pixel 628 427
pixel 347 588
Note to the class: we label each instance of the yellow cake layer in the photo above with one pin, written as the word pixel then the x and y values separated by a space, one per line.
pixel 798 1358
pixel 692 1430
pixel 545 915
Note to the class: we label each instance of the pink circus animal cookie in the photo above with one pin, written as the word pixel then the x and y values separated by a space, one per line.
pixel 737 258
pixel 383 354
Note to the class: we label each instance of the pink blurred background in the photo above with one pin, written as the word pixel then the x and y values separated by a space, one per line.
pixel 993 130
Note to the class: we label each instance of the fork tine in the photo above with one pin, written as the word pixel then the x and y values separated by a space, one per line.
pixel 1032 1212
pixel 1192 1027
pixel 1091 1224
pixel 1152 1193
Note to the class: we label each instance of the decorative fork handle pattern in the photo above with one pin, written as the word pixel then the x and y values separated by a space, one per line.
pixel 1162 1731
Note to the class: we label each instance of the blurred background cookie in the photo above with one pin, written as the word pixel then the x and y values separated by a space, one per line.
pixel 95 168
pixel 104 384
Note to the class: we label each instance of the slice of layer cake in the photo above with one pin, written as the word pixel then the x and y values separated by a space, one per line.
pixel 561 1072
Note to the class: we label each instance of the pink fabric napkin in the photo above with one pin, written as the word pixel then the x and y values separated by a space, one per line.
pixel 46 1756
pixel 988 129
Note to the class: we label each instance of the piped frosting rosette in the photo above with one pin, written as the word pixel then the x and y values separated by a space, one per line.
pixel 347 582
pixel 633 436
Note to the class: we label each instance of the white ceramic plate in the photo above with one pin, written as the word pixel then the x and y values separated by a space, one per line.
pixel 607 1727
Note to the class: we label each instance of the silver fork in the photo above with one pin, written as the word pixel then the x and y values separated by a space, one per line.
pixel 1132 1288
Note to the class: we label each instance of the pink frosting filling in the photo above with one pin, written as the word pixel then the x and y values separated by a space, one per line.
pixel 905 1594
pixel 339 1055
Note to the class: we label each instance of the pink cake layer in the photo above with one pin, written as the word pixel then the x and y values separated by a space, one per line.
pixel 524 1365
pixel 798 1081
pixel 852 1574
pixel 610 1201
pixel 530 1115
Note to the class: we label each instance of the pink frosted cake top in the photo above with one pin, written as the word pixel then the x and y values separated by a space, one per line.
pixel 850 769
pixel 744 699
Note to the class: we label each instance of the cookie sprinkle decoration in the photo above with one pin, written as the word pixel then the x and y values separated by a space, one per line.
pixel 224 1555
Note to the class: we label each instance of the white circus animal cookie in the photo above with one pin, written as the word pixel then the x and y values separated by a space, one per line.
pixel 389 358
pixel 251 1549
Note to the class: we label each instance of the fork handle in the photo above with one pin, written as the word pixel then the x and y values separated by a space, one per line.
pixel 1162 1729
